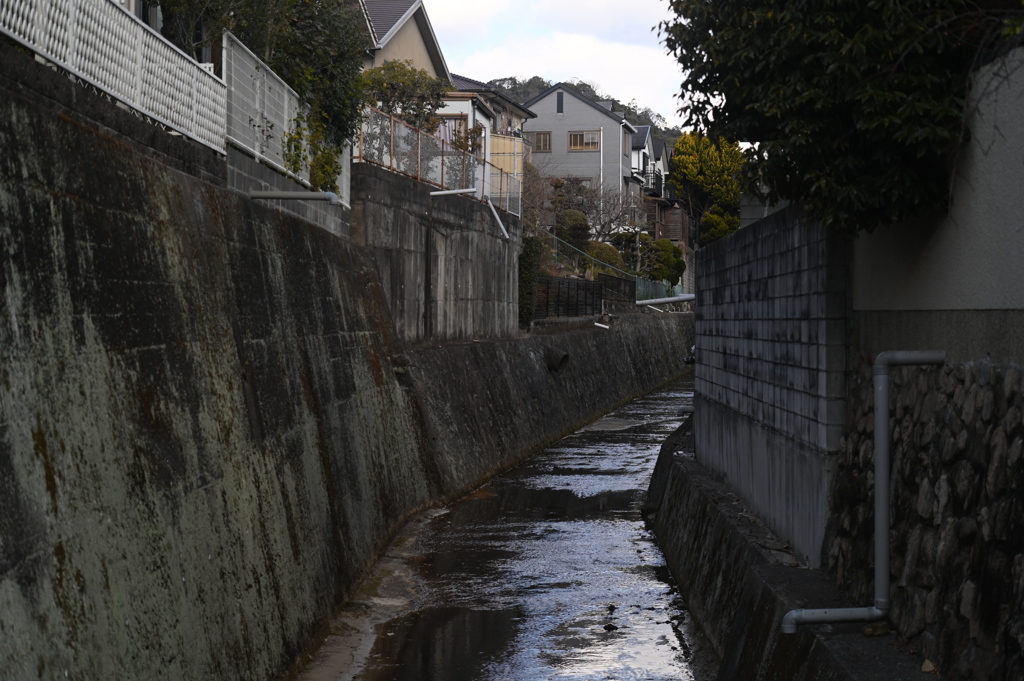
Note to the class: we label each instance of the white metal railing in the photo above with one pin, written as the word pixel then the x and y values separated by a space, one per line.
pixel 106 46
pixel 261 108
pixel 392 143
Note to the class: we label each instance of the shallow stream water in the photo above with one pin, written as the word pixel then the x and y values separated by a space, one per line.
pixel 546 572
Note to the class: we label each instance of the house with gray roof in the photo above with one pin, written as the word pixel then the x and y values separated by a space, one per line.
pixel 509 115
pixel 400 29
pixel 575 137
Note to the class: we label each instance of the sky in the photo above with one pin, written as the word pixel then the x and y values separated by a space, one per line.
pixel 606 43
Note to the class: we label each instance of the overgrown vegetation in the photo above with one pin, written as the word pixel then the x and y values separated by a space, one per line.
pixel 705 174
pixel 855 106
pixel 316 46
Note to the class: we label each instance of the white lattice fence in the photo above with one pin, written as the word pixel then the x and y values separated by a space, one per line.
pixel 261 108
pixel 104 45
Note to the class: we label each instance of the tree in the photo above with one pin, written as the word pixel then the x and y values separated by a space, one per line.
pixel 855 105
pixel 402 90
pixel 669 264
pixel 705 175
pixel 637 249
pixel 316 46
pixel 606 253
pixel 571 227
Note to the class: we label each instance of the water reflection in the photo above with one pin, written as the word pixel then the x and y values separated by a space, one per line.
pixel 549 572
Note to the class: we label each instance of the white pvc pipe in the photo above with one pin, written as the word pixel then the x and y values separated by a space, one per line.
pixel 881 607
pixel 330 197
pixel 496 217
pixel 449 192
pixel 685 298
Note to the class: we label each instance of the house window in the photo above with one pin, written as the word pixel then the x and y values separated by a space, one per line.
pixel 541 142
pixel 560 105
pixel 589 140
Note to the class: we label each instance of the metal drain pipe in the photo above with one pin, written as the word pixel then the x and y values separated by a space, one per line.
pixel 881 607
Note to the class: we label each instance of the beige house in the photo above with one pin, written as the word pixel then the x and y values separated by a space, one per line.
pixel 400 29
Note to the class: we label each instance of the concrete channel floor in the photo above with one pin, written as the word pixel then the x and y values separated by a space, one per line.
pixel 546 572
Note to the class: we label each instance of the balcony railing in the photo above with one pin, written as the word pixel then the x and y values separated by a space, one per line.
pixel 261 108
pixel 104 45
pixel 401 148
pixel 653 182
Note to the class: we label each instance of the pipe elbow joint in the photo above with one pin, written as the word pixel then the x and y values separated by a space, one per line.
pixel 790 620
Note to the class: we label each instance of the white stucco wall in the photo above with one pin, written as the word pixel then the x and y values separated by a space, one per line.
pixel 972 258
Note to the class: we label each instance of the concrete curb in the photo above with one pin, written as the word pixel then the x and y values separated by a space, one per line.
pixel 738 580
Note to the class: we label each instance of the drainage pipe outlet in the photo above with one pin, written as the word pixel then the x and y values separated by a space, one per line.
pixel 555 359
pixel 881 607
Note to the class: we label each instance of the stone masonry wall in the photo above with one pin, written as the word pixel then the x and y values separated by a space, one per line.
pixel 957 513
pixel 771 355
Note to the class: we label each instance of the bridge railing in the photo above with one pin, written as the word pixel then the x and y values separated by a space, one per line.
pixel 106 46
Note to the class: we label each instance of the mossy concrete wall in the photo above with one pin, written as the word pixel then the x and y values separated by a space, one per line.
pixel 203 436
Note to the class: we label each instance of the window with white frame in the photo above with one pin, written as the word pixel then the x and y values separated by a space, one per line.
pixel 587 140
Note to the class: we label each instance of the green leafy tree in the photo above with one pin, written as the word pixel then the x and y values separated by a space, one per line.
pixel 705 174
pixel 669 264
pixel 402 90
pixel 571 226
pixel 855 106
pixel 637 249
pixel 606 253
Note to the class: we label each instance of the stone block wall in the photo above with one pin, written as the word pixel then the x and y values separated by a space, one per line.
pixel 447 271
pixel 771 355
pixel 957 512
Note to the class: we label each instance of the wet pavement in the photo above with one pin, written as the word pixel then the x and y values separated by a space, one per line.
pixel 546 572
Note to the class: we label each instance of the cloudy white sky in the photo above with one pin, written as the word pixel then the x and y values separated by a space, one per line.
pixel 607 43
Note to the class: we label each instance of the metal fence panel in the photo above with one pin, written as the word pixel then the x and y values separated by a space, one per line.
pixel 389 142
pixel 107 47
pixel 567 298
pixel 261 108
pixel 618 288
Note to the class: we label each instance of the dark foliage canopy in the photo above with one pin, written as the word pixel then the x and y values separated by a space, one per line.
pixel 855 106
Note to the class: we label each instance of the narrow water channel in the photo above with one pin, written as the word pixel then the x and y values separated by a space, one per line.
pixel 547 572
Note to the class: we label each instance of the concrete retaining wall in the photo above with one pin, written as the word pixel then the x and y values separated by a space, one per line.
pixel 447 250
pixel 738 581
pixel 208 428
pixel 771 356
